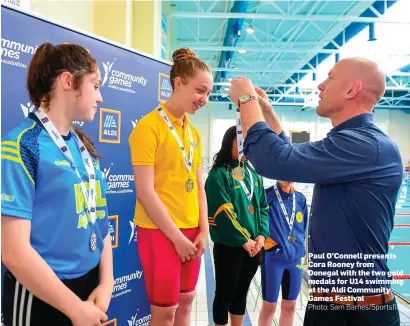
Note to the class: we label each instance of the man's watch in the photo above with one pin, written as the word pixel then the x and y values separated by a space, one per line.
pixel 245 99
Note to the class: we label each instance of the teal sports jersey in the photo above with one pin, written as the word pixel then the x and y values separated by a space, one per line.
pixel 39 184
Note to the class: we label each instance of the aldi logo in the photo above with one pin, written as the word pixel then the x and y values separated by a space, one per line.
pixel 164 87
pixel 109 122
pixel 110 126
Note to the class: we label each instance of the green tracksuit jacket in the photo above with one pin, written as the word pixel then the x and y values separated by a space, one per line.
pixel 230 223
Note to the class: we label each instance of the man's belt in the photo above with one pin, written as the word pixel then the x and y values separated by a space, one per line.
pixel 365 300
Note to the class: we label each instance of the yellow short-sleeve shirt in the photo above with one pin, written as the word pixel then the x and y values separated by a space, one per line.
pixel 152 144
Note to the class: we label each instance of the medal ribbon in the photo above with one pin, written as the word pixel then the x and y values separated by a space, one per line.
pixel 249 195
pixel 188 162
pixel 90 195
pixel 282 205
pixel 239 135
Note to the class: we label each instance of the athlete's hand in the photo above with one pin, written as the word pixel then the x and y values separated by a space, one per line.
pixel 87 314
pixel 249 246
pixel 260 241
pixel 185 248
pixel 101 296
pixel 200 244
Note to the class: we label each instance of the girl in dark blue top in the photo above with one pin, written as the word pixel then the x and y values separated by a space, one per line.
pixel 284 250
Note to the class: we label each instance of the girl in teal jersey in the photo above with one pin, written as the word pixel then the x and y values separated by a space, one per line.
pixel 55 241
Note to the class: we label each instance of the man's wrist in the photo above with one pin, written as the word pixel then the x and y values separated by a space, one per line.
pixel 246 98
pixel 249 105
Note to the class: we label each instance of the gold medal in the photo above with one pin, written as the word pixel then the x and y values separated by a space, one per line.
pixel 292 238
pixel 189 185
pixel 251 209
pixel 238 173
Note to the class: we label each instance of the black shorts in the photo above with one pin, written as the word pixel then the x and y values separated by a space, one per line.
pixel 20 307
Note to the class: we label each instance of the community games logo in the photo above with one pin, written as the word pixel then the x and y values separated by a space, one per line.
pixel 16 54
pixel 120 80
pixel 133 233
pixel 135 321
pixel 121 284
pixel 117 183
pixel 113 228
pixel 27 108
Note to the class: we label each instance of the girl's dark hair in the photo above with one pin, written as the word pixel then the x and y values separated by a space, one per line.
pixel 49 62
pixel 224 156
pixel 185 62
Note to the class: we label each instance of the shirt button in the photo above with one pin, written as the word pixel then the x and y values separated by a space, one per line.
pixel 309 236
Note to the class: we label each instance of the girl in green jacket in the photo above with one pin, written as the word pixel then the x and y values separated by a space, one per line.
pixel 238 223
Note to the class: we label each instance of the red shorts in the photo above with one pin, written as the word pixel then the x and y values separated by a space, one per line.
pixel 164 274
